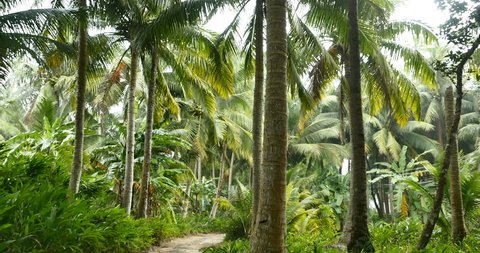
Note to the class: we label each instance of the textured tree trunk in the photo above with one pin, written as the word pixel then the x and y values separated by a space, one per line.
pixel 347 228
pixel 452 134
pixel 147 153
pixel 458 222
pixel 258 104
pixel 269 230
pixel 77 163
pixel 130 141
pixel 360 237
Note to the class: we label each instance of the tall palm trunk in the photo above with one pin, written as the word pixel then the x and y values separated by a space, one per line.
pixel 456 201
pixel 77 162
pixel 258 103
pixel 269 230
pixel 130 142
pixel 452 134
pixel 360 238
pixel 147 153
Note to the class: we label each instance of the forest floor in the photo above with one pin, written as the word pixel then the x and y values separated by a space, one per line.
pixel 189 244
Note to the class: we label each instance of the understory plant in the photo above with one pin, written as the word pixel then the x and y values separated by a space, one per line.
pixel 39 214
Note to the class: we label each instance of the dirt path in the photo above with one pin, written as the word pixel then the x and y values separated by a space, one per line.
pixel 189 244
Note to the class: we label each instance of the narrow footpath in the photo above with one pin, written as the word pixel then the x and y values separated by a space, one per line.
pixel 189 244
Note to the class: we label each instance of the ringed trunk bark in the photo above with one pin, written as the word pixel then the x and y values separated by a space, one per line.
pixel 77 163
pixel 147 153
pixel 258 104
pixel 360 237
pixel 270 227
pixel 456 202
pixel 130 141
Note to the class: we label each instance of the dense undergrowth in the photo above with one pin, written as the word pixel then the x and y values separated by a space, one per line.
pixel 394 237
pixel 38 214
pixel 399 236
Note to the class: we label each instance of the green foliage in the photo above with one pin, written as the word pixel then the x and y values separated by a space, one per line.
pixel 238 246
pixel 238 223
pixel 39 215
pixel 402 236
pixel 166 229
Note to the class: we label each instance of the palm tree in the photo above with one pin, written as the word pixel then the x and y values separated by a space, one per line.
pixel 456 202
pixel 77 163
pixel 468 42
pixel 382 81
pixel 156 20
pixel 258 104
pixel 269 230
pixel 360 237
pixel 23 32
pixel 147 157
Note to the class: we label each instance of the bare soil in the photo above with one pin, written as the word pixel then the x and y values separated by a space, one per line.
pixel 189 244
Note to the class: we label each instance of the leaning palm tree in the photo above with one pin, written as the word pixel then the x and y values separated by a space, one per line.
pixel 467 38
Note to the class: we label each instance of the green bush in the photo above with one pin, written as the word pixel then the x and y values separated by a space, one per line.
pixel 38 214
pixel 237 246
pixel 402 234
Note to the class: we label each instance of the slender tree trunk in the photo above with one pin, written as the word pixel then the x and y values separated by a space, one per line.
pixel 270 227
pixel 391 200
pixel 213 175
pixel 188 189
pixel 386 200
pixel 77 163
pixel 130 141
pixel 221 180
pixel 186 202
pixel 347 228
pixel 452 134
pixel 360 237
pixel 376 201
pixel 458 222
pixel 147 153
pixel 258 104
pixel 230 175
pixel 441 125
pixel 199 169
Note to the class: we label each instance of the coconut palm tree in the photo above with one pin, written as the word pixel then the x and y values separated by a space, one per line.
pixel 77 163
pixel 151 22
pixel 258 104
pixel 269 231
pixel 30 32
pixel 466 37
pixel 359 239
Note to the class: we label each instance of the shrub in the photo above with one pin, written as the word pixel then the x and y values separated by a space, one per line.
pixel 38 215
